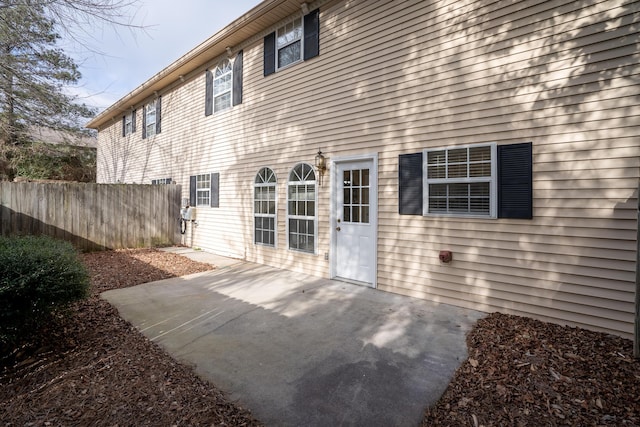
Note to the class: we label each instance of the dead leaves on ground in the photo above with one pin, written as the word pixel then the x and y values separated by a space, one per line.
pixel 523 372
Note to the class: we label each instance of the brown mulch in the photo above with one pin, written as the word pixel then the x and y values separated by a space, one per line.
pixel 523 372
pixel 93 368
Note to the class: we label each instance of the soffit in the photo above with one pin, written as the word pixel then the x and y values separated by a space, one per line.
pixel 260 18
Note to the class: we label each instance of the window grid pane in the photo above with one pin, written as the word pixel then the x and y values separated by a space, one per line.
pixel 265 208
pixel 355 196
pixel 203 190
pixel 459 180
pixel 301 208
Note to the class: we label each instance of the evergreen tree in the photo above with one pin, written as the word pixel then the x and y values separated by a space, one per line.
pixel 34 72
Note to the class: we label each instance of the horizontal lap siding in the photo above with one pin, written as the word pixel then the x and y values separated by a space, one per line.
pixel 575 100
pixel 398 77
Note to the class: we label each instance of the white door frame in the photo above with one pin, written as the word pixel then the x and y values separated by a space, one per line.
pixel 373 212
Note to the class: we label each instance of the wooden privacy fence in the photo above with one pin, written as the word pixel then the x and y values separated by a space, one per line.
pixel 92 216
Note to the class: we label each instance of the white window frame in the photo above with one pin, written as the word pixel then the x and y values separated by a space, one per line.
pixel 161 181
pixel 314 217
pixel 128 123
pixel 492 180
pixel 220 76
pixel 150 110
pixel 258 184
pixel 282 42
pixel 203 193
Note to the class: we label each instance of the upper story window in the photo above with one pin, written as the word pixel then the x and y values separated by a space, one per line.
pixel 222 83
pixel 264 207
pixel 461 180
pixel 301 208
pixel 297 40
pixel 151 118
pixel 129 123
pixel 289 43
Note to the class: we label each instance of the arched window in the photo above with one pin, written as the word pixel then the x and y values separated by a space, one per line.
pixel 264 208
pixel 222 83
pixel 301 208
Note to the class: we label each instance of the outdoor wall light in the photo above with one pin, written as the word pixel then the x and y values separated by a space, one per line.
pixel 321 165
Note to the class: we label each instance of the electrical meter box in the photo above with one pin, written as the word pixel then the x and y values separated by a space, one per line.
pixel 189 213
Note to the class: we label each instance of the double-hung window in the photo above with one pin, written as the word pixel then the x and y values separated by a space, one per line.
pixel 301 208
pixel 289 43
pixel 129 123
pixel 461 180
pixel 222 83
pixel 483 180
pixel 203 190
pixel 264 210
pixel 296 41
pixel 151 118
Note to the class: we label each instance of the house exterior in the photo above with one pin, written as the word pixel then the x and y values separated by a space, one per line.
pixel 484 154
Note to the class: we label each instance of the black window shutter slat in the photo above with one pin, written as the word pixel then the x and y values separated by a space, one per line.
pixel 215 190
pixel 133 121
pixel 410 184
pixel 311 34
pixel 515 181
pixel 192 190
pixel 237 79
pixel 158 114
pixel 124 125
pixel 208 98
pixel 270 54
pixel 144 122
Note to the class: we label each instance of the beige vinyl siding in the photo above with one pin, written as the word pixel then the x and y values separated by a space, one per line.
pixel 400 77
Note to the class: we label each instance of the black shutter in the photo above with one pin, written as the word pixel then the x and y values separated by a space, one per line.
pixel 192 190
pixel 215 190
pixel 133 121
pixel 158 114
pixel 270 54
pixel 237 79
pixel 144 122
pixel 515 181
pixel 410 184
pixel 312 34
pixel 208 97
pixel 124 125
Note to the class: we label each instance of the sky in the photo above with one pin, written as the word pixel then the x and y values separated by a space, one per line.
pixel 119 60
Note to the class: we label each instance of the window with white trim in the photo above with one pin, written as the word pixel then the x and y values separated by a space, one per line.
pixel 461 180
pixel 301 208
pixel 150 118
pixel 264 208
pixel 203 190
pixel 289 43
pixel 129 123
pixel 161 181
pixel 222 83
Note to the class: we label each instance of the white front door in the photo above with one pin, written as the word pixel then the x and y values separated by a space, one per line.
pixel 354 220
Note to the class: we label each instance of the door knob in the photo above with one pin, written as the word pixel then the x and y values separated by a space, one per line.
pixel 337 228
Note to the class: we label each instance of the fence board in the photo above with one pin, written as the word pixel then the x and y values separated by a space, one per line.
pixel 92 216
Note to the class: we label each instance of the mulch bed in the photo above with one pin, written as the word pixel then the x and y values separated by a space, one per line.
pixel 523 372
pixel 93 368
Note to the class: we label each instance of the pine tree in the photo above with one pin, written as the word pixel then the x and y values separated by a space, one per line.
pixel 34 72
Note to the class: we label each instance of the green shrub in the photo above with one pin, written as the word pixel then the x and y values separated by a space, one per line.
pixel 38 276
